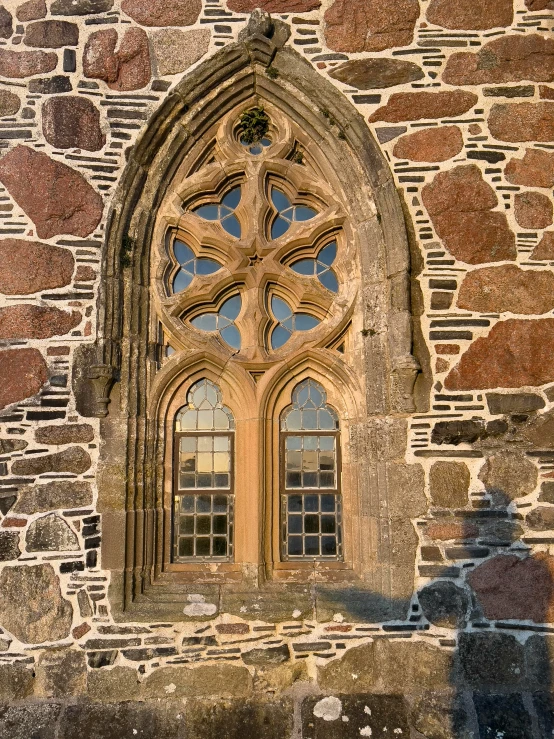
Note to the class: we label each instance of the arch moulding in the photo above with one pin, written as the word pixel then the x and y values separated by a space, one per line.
pixel 124 360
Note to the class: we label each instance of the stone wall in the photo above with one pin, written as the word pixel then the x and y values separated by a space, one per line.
pixel 460 95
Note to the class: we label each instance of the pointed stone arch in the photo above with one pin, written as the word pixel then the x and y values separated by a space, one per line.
pixel 258 67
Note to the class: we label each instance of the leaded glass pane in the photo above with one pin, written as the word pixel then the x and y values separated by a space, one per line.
pixel 312 527
pixel 320 267
pixel 204 398
pixel 203 527
pixel 288 322
pixel 223 212
pixel 223 322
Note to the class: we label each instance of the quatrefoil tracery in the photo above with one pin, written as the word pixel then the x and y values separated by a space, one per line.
pixel 243 225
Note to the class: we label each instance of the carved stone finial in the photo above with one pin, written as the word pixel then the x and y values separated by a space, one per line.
pixel 262 27
pixel 101 377
pixel 404 375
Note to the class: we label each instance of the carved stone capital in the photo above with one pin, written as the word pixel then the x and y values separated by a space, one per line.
pixel 263 35
pixel 404 375
pixel 101 378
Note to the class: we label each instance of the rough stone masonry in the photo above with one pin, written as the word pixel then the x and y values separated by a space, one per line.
pixel 460 97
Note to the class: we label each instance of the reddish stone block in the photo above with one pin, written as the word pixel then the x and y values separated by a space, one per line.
pixel 460 204
pixel 546 93
pixel 127 69
pixel 413 106
pixel 35 322
pixel 22 374
pixel 29 266
pixel 447 348
pixel 536 169
pixel 522 122
pixel 473 15
pixel 430 144
pixel 51 34
pixel 85 273
pixel 164 13
pixel 32 10
pixel 19 64
pixel 58 351
pixel 516 353
pixel 450 531
pixel 14 523
pixel 507 288
pixel 534 5
pixel 507 59
pixel 510 587
pixel 273 6
pixel 72 122
pixel 533 210
pixel 339 628
pixel 544 250
pixel 57 198
pixel 79 631
pixel 370 25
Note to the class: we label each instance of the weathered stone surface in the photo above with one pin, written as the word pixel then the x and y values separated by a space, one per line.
pixel 51 533
pixel 32 607
pixel 502 715
pixel 544 250
pixel 28 720
pixel 370 25
pixel 536 169
pixel 547 493
pixel 16 682
pixel 72 123
pixel 507 59
pixel 65 433
pixel 115 685
pixel 74 459
pixel 444 604
pixel 9 103
pixel 413 106
pixel 22 372
pixel 355 716
pixel 459 202
pixel 271 719
pixel 500 403
pixel 128 68
pixel 533 210
pixel 371 74
pixel 177 50
pixel 50 85
pixel 490 659
pixel 162 13
pixel 510 587
pixel 32 10
pixel 534 5
pixel 522 122
pixel 449 484
pixel 452 530
pixel 80 7
pixel 541 518
pixel 19 64
pixel 35 322
pixel 6 23
pixel 439 716
pixel 29 266
pixel 385 666
pixel 430 144
pixel 58 494
pixel 61 673
pixel 51 34
pixel 12 445
pixel 9 545
pixel 223 680
pixel 118 720
pixel 267 656
pixel 515 353
pixel 457 432
pixel 57 198
pixel 470 14
pixel 507 288
pixel 510 474
pixel 85 273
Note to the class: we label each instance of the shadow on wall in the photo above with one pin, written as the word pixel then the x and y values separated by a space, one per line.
pixel 497 684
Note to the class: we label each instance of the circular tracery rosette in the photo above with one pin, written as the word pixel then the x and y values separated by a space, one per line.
pixel 258 258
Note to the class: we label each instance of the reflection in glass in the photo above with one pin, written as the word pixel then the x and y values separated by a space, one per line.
pixel 320 267
pixel 287 213
pixel 223 321
pixel 288 322
pixel 223 212
pixel 191 265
